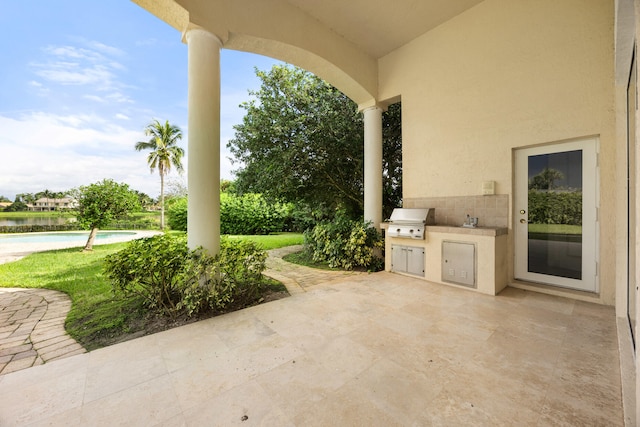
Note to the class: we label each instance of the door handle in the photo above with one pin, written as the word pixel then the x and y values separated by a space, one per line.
pixel 523 221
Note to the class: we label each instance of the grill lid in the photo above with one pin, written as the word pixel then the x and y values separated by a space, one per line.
pixel 423 216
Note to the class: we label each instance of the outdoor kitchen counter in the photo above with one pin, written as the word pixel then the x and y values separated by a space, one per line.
pixel 477 231
pixel 490 255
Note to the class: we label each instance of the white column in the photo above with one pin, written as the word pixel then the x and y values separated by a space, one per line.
pixel 373 166
pixel 203 216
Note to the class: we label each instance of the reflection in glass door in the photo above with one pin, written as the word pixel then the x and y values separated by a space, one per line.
pixel 555 214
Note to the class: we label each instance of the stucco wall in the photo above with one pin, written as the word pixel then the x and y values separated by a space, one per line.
pixel 502 75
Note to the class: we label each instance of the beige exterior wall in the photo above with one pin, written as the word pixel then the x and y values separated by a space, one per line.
pixel 507 74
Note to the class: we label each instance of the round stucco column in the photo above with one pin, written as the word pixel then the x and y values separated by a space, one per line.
pixel 203 217
pixel 373 165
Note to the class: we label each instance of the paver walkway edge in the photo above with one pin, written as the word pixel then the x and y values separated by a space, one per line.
pixel 32 328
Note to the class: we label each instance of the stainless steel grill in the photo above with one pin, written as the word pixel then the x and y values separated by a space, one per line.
pixel 408 223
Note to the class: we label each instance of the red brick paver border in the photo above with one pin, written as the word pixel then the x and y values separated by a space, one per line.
pixel 32 328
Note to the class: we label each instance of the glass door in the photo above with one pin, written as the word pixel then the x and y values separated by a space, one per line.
pixel 555 218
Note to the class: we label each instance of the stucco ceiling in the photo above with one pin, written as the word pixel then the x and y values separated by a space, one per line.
pixel 382 25
pixel 338 40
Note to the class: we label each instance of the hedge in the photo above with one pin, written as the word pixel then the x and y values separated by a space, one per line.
pixel 146 224
pixel 35 228
pixel 248 214
pixel 549 207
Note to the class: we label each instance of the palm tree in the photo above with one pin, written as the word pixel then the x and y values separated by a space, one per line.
pixel 164 153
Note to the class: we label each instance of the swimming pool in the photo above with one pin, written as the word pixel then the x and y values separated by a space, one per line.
pixel 16 246
pixel 60 237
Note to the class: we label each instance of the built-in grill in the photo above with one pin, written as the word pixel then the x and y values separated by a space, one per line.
pixel 409 223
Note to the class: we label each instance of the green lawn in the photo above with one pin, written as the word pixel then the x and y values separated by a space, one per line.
pixel 95 313
pixel 274 241
pixel 301 258
pixel 555 229
pixel 96 317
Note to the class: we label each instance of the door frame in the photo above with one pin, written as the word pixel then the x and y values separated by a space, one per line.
pixel 590 221
pixel 631 283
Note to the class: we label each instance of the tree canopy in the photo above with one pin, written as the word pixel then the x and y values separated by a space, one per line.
pixel 101 203
pixel 31 197
pixel 546 179
pixel 301 140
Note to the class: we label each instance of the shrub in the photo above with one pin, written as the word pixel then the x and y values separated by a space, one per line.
pixel 345 243
pixel 173 279
pixel 177 214
pixel 234 277
pixel 242 262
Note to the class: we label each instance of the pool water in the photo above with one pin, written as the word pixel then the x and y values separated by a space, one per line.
pixel 60 237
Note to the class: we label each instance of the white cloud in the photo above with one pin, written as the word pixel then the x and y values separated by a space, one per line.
pixel 94 66
pixel 119 97
pixel 38 88
pixel 109 50
pixel 74 53
pixel 122 117
pixel 56 152
pixel 95 98
pixel 73 73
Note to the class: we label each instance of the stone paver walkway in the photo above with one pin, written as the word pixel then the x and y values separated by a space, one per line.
pixel 32 328
pixel 298 278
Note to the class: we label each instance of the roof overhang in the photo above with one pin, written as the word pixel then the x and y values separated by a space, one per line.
pixel 340 41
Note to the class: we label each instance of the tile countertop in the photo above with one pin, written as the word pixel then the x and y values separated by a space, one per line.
pixel 478 231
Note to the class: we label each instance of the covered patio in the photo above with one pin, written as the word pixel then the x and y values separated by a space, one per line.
pixel 488 89
pixel 366 349
pixel 482 84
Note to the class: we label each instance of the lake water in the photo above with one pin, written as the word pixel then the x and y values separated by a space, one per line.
pixel 41 220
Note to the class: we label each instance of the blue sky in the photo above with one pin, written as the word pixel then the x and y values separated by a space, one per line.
pixel 81 80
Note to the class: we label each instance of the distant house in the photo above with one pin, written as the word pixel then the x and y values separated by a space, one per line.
pixel 46 204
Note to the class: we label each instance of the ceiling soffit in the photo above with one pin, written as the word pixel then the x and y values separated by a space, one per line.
pixel 380 26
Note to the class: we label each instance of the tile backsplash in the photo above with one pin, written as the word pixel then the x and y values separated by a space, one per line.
pixel 492 211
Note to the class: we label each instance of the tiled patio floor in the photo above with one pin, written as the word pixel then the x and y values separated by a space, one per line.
pixel 378 349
